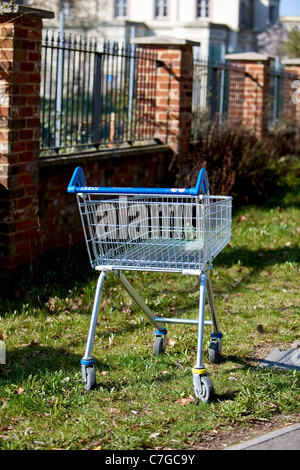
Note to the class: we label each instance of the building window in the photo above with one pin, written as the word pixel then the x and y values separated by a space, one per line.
pixel 272 14
pixel 161 9
pixel 202 9
pixel 243 16
pixel 120 8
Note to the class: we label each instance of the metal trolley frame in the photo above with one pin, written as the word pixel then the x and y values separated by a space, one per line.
pixel 155 229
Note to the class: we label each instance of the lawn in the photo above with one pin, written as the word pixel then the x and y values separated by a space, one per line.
pixel 142 401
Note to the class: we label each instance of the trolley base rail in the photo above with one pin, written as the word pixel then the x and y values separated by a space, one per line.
pixel 203 386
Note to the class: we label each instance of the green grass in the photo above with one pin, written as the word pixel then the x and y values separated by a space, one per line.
pixel 142 401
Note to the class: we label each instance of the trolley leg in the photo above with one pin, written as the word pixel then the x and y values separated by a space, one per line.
pixel 160 331
pixel 211 302
pixel 203 385
pixel 131 291
pixel 87 362
pixel 203 279
pixel 216 337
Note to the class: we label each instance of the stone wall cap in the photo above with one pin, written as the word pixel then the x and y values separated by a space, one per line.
pixel 22 9
pixel 248 56
pixel 295 61
pixel 164 40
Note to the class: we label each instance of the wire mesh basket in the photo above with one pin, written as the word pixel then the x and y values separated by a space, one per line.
pixel 154 233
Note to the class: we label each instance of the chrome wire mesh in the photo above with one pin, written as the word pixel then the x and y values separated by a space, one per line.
pixel 157 233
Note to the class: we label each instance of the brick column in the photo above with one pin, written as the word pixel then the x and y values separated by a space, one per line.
pixel 174 85
pixel 256 91
pixel 20 51
pixel 292 66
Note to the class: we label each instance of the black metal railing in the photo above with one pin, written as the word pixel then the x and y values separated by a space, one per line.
pixel 91 99
pixel 218 90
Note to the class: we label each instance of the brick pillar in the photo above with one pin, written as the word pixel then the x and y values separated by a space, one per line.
pixel 257 89
pixel 20 51
pixel 174 85
pixel 292 66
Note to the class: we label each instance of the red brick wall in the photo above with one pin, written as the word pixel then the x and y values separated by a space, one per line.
pixel 59 221
pixel 174 84
pixel 289 106
pixel 292 94
pixel 36 212
pixel 236 97
pixel 20 45
pixel 256 95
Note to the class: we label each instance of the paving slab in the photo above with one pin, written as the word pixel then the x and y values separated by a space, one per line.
pixel 282 359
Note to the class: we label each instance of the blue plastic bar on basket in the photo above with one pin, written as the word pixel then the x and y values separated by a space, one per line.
pixel 78 185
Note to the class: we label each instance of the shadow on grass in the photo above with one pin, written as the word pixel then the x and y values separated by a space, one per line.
pixel 256 261
pixel 38 358
pixel 261 258
pixel 58 275
pixel 284 196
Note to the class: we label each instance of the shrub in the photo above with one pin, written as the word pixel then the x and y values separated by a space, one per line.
pixel 240 164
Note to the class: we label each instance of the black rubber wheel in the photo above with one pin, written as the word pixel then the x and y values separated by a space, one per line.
pixel 203 387
pixel 158 347
pixel 214 352
pixel 90 378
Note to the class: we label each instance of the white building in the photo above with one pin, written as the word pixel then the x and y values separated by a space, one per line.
pixel 290 22
pixel 218 25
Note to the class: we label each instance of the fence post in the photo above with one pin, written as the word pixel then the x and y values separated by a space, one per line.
pixel 20 46
pixel 173 94
pixel 256 90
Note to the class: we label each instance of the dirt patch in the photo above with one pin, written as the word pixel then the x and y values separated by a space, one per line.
pixel 221 439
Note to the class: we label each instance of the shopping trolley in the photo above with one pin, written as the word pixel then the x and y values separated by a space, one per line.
pixel 174 230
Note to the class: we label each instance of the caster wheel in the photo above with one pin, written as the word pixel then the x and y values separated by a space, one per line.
pixel 214 352
pixel 160 342
pixel 88 373
pixel 215 348
pixel 158 347
pixel 90 382
pixel 203 387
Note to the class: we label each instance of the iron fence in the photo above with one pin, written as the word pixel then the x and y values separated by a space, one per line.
pixel 91 99
pixel 218 91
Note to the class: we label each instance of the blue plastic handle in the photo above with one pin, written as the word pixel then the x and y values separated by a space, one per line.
pixel 77 180
pixel 78 185
pixel 202 182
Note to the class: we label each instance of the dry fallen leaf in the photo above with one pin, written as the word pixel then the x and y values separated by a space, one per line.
pixel 114 410
pixel 154 435
pixel 185 401
pixel 3 335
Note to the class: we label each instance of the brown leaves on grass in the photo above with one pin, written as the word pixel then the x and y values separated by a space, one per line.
pixel 186 401
pixel 57 305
